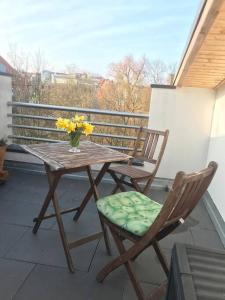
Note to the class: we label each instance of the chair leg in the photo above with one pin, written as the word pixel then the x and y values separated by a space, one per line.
pixel 146 188
pixel 148 184
pixel 129 267
pixel 159 292
pixel 111 266
pixel 161 257
pixel 106 236
pixel 136 186
pixel 136 256
pixel 115 190
pixel 119 185
pixel 117 263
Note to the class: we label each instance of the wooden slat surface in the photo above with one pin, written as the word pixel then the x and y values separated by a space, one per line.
pixel 57 155
pixel 207 69
pixel 131 171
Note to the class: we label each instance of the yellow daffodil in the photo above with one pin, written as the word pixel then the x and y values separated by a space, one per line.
pixel 78 118
pixel 79 124
pixel 70 127
pixel 88 128
pixel 60 123
pixel 74 124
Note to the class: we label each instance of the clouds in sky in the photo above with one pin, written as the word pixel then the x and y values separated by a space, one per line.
pixel 94 33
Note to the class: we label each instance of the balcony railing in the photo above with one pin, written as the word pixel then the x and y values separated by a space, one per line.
pixel 32 122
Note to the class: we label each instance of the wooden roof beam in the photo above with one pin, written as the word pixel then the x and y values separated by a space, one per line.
pixel 206 18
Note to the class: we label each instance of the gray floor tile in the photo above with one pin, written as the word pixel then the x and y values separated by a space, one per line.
pixel 9 235
pixel 88 223
pixel 110 289
pixel 50 283
pixel 177 237
pixel 12 276
pixel 46 248
pixel 23 186
pixel 129 293
pixel 158 195
pixel 33 187
pixel 101 258
pixel 148 267
pixel 73 191
pixel 207 238
pixel 150 272
pixel 201 215
pixel 21 212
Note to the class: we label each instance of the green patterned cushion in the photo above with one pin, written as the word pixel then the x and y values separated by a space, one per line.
pixel 132 211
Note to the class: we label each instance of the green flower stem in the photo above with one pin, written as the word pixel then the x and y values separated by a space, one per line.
pixel 75 138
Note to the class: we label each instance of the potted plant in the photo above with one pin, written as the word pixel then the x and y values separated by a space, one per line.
pixel 3 147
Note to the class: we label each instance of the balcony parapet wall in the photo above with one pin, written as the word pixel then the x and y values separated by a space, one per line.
pixel 5 97
pixel 187 113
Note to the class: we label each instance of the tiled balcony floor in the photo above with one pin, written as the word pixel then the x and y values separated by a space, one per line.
pixel 34 267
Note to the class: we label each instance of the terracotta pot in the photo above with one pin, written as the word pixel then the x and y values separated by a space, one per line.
pixel 2 156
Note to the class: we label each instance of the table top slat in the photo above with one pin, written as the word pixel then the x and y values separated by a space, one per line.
pixel 57 155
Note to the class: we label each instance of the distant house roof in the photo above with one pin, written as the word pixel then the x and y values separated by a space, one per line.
pixel 5 67
pixel 203 63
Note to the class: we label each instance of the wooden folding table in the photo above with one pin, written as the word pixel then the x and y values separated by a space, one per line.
pixel 59 161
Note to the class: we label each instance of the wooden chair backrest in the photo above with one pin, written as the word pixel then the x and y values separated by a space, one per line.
pixel 185 194
pixel 153 145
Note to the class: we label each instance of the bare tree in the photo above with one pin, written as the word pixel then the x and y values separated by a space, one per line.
pixel 157 70
pixel 27 67
pixel 126 91
pixel 171 71
pixel 130 71
pixel 38 65
pixel 38 61
pixel 20 81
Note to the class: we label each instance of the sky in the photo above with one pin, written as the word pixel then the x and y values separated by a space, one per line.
pixel 93 34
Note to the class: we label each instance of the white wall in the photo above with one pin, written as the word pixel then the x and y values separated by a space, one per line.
pixel 187 113
pixel 217 152
pixel 5 96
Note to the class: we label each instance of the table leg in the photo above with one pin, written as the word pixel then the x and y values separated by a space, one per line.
pixel 53 182
pixel 91 191
pixel 63 234
pixel 53 179
pixel 96 196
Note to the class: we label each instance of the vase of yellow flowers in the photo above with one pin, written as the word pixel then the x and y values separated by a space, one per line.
pixel 75 127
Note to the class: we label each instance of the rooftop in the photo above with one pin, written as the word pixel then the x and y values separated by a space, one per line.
pixel 34 266
pixel 202 64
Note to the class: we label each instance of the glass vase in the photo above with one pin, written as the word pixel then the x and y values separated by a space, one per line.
pixel 75 141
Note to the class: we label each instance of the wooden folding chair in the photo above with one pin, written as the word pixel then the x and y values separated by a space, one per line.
pixel 149 147
pixel 186 192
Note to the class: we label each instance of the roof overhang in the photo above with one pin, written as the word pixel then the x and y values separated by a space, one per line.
pixel 203 62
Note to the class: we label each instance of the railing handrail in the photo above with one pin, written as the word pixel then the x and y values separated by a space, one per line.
pixel 48 118
pixel 78 109
pixel 125 137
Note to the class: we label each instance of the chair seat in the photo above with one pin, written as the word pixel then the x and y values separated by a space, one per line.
pixel 131 171
pixel 131 211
